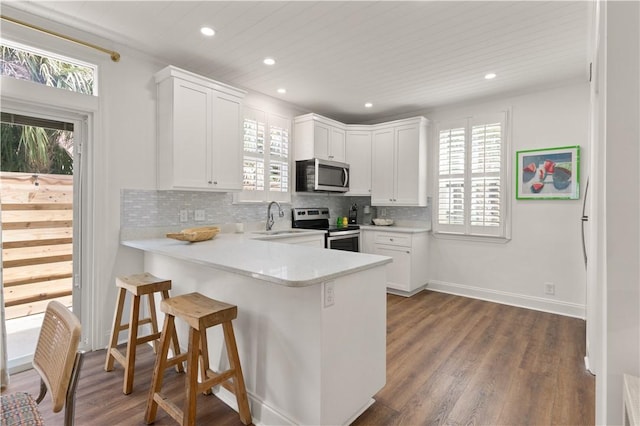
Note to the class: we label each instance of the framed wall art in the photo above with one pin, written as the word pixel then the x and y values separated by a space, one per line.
pixel 548 174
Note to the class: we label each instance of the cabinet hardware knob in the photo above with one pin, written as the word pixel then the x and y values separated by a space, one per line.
pixel 210 182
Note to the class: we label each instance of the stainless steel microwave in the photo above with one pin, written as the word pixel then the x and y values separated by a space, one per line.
pixel 321 175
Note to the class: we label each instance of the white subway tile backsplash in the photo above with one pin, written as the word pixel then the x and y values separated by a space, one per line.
pixel 161 209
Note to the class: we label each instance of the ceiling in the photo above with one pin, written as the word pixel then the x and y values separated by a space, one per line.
pixel 332 57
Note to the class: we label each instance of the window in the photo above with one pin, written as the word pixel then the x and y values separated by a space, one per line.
pixel 266 157
pixel 27 63
pixel 471 179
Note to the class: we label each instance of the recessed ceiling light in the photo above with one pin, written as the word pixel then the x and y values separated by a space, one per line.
pixel 282 90
pixel 269 61
pixel 207 31
pixel 368 105
pixel 490 76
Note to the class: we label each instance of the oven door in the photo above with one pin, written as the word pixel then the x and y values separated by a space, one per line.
pixel 346 241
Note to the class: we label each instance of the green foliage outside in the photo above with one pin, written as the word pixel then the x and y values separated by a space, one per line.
pixel 35 149
pixel 52 72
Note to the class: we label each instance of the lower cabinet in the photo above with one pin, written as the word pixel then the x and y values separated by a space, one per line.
pixel 407 274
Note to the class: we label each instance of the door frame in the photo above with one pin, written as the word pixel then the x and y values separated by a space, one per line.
pixel 82 229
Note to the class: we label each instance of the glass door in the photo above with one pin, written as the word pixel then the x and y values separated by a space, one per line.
pixel 40 206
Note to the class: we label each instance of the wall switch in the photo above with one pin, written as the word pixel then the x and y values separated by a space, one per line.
pixel 199 215
pixel 549 288
pixel 184 215
pixel 329 294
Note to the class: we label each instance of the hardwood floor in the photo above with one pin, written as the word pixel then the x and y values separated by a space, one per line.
pixel 450 360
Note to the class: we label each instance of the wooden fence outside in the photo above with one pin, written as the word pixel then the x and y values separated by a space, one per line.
pixel 37 241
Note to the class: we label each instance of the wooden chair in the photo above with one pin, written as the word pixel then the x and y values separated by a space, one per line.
pixel 57 361
pixel 200 313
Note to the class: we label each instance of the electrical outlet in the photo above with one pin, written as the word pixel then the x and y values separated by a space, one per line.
pixel 549 288
pixel 329 294
pixel 199 215
pixel 383 212
pixel 184 215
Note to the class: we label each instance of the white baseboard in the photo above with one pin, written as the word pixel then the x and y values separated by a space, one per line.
pixel 513 299
pixel 261 413
pixel 405 293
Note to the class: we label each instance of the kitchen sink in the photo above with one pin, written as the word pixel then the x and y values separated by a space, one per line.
pixel 281 232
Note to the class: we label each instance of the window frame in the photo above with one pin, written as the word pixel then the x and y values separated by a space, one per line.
pixel 269 119
pixel 466 231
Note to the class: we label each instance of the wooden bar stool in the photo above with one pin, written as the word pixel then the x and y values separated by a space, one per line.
pixel 138 285
pixel 200 313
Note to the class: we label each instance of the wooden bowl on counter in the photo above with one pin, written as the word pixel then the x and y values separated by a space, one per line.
pixel 193 235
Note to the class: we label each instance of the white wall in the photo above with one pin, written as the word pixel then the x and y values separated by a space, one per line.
pixel 620 50
pixel 546 242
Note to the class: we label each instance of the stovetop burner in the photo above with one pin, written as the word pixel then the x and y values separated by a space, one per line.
pixel 317 218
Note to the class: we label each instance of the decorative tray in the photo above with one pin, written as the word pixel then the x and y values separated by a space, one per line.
pixel 193 235
pixel 382 222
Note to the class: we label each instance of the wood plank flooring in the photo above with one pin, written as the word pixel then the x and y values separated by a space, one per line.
pixel 450 360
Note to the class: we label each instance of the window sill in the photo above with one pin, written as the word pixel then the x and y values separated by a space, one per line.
pixel 471 237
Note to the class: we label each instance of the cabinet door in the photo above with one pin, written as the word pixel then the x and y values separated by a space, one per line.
pixel 226 173
pixel 382 171
pixel 367 241
pixel 358 156
pixel 321 136
pixel 192 115
pixel 398 271
pixel 408 164
pixel 337 145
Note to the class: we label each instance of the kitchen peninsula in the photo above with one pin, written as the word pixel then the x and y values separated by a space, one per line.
pixel 311 326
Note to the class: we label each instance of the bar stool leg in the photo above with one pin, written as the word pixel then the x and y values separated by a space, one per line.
pixel 158 369
pixel 115 330
pixel 154 320
pixel 174 339
pixel 238 379
pixel 204 359
pixel 131 346
pixel 191 382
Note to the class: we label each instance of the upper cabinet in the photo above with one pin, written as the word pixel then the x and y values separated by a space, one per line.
pixel 358 156
pixel 399 163
pixel 199 132
pixel 319 137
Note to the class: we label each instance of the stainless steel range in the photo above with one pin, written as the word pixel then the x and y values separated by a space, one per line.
pixel 345 238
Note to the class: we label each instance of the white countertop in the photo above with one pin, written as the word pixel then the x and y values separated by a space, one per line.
pixel 284 264
pixel 394 228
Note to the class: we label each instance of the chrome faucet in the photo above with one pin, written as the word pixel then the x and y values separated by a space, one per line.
pixel 270 220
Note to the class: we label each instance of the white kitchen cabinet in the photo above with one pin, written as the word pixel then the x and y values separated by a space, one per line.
pixel 199 132
pixel 316 136
pixel 358 156
pixel 407 274
pixel 399 163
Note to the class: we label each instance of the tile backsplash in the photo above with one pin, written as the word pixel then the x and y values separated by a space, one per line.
pixel 153 209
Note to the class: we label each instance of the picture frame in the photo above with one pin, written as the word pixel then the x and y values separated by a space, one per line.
pixel 548 174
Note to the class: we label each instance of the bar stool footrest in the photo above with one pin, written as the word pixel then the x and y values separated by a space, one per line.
pixel 214 379
pixel 169 406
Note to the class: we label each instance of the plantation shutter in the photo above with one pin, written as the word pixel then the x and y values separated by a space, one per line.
pixel 472 177
pixel 254 146
pixel 451 178
pixel 279 154
pixel 486 158
pixel 266 157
